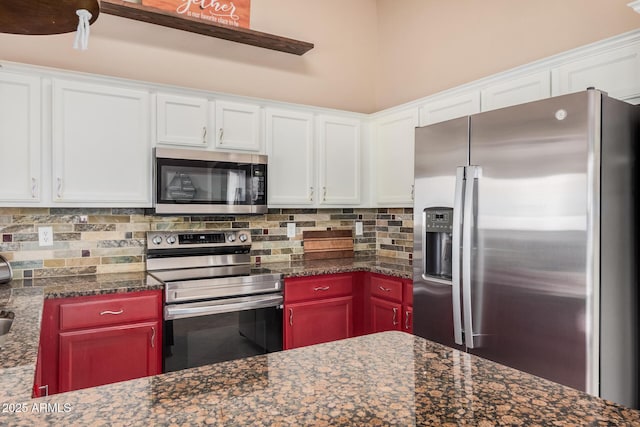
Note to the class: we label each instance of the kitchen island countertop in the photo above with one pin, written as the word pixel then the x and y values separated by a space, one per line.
pixel 389 378
pixel 25 298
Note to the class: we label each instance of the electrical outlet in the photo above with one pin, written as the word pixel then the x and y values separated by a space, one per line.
pixel 358 228
pixel 45 236
pixel 291 229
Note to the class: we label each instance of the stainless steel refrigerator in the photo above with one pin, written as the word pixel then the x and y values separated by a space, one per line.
pixel 525 239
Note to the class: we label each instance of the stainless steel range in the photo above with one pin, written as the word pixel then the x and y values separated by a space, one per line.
pixel 217 307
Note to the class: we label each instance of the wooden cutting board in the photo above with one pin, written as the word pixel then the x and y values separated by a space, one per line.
pixel 328 244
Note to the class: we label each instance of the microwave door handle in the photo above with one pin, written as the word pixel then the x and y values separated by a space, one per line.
pixel 456 234
pixel 472 176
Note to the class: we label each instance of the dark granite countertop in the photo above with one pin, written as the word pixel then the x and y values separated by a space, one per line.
pixel 388 266
pixel 390 378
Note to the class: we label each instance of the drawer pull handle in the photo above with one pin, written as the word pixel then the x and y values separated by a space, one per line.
pixel 382 288
pixel 406 320
pixel 153 337
pixel 291 316
pixel 395 315
pixel 321 288
pixel 102 313
pixel 44 388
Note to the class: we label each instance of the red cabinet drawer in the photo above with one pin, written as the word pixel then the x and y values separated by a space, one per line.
pixel 89 312
pixel 387 288
pixel 327 286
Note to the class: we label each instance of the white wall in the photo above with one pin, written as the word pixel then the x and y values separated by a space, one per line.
pixel 368 55
pixel 427 46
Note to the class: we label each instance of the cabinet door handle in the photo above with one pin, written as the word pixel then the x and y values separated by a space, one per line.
pixel 406 320
pixel 59 188
pixel 395 316
pixel 102 313
pixel 321 288
pixel 34 188
pixel 311 194
pixel 413 192
pixel 204 134
pixel 221 135
pixel 291 317
pixel 153 337
pixel 46 389
pixel 382 288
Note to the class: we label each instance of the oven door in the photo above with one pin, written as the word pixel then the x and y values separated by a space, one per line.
pixel 206 332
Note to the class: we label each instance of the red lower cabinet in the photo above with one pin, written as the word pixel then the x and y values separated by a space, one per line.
pixel 315 322
pixel 93 357
pixel 407 305
pixel 389 303
pixel 330 307
pixel 96 340
pixel 317 309
pixel 385 315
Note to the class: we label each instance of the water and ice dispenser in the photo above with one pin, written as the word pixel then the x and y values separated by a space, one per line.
pixel 438 225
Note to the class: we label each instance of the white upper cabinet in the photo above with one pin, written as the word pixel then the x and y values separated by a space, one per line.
pixel 338 160
pixel 616 72
pixel 101 148
pixel 20 140
pixel 451 107
pixel 290 148
pixel 394 153
pixel 237 126
pixel 515 91
pixel 182 120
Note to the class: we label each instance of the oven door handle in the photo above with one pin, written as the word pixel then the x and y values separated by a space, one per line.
pixel 181 311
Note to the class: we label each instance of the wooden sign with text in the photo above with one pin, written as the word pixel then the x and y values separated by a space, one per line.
pixel 235 13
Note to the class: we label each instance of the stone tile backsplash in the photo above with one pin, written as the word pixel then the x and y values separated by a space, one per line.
pixel 101 240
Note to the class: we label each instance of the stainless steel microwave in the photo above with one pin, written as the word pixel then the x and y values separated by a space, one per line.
pixel 191 182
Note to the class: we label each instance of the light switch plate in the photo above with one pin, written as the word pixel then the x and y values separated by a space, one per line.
pixel 45 236
pixel 291 229
pixel 358 228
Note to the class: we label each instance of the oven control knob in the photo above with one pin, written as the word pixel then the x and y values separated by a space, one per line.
pixel 156 240
pixel 171 240
pixel 243 237
pixel 231 237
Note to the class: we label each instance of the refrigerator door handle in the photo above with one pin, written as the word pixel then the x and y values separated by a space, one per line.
pixel 455 255
pixel 472 176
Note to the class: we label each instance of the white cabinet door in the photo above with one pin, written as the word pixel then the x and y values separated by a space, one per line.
pixel 181 120
pixel 516 91
pixel 101 146
pixel 338 160
pixel 616 72
pixel 395 140
pixel 290 148
pixel 20 141
pixel 450 107
pixel 237 126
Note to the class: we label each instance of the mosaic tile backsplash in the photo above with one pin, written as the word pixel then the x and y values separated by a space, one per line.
pixel 96 241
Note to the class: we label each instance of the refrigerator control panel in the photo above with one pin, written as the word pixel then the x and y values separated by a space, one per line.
pixel 438 220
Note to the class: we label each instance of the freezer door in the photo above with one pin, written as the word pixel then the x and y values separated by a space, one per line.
pixel 530 241
pixel 440 149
